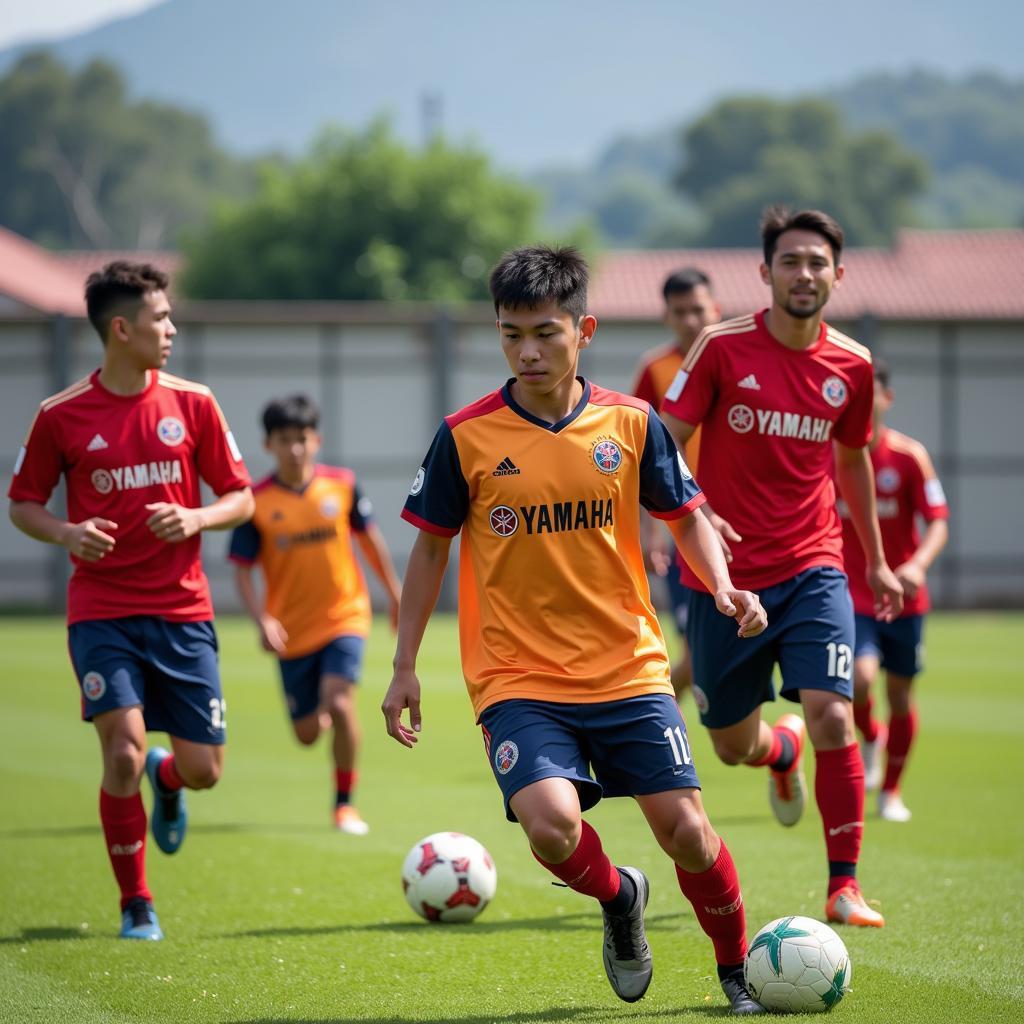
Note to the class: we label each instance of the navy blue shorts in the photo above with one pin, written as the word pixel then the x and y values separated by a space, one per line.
pixel 167 668
pixel 810 637
pixel 679 595
pixel 897 645
pixel 635 746
pixel 343 656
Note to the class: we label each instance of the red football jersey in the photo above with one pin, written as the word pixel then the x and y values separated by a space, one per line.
pixel 905 487
pixel 118 454
pixel 768 415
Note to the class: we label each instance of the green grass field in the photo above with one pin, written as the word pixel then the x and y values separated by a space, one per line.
pixel 271 916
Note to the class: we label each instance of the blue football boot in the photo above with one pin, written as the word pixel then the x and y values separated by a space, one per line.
pixel 138 921
pixel 169 818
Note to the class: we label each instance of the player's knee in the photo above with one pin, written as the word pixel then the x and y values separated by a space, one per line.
pixel 307 732
pixel 201 776
pixel 831 726
pixel 692 840
pixel 126 760
pixel 730 750
pixel 554 838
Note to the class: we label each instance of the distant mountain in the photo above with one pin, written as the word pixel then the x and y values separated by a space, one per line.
pixel 536 83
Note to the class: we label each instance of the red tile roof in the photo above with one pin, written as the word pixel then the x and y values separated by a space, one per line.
pixel 928 275
pixel 34 277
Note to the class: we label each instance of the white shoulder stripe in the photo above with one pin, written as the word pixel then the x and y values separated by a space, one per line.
pixel 844 342
pixel 76 389
pixel 740 325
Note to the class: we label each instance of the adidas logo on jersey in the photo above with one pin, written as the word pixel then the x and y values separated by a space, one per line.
pixel 749 382
pixel 506 468
pixel 97 444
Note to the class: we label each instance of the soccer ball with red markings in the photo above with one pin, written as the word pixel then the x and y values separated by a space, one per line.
pixel 797 965
pixel 448 877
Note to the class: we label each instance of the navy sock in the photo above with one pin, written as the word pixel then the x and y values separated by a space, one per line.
pixel 623 901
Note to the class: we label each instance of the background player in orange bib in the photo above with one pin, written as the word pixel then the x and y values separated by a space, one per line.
pixel 689 308
pixel 771 392
pixel 132 443
pixel 315 613
pixel 561 649
pixel 907 488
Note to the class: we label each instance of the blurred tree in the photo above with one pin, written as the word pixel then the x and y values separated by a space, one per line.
pixel 746 153
pixel 365 217
pixel 81 166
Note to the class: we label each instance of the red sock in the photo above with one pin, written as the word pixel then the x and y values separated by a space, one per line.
pixel 588 869
pixel 168 775
pixel 774 753
pixel 717 902
pixel 867 726
pixel 839 789
pixel 344 786
pixel 124 827
pixel 902 729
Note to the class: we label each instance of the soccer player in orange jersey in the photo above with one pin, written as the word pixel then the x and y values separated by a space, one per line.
pixel 907 489
pixel 316 611
pixel 561 649
pixel 689 308
pixel 771 392
pixel 132 444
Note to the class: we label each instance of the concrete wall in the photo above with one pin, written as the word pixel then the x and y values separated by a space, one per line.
pixel 385 377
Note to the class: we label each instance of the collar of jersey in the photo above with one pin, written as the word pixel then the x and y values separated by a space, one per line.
pixel 506 394
pixel 298 491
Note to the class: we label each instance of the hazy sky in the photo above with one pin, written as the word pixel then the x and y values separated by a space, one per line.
pixel 21 21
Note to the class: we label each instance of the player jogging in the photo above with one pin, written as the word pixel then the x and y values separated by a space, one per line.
pixel 906 488
pixel 133 443
pixel 563 656
pixel 315 614
pixel 772 391
pixel 689 308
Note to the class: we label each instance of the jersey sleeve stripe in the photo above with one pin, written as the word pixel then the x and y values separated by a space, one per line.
pixel 168 380
pixel 840 339
pixel 76 389
pixel 603 396
pixel 482 407
pixel 240 559
pixel 684 510
pixel 423 524
pixel 740 325
pixel 917 451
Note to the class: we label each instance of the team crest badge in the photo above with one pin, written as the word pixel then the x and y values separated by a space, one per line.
pixel 329 507
pixel 504 520
pixel 171 431
pixel 741 419
pixel 607 455
pixel 834 391
pixel 417 484
pixel 700 698
pixel 888 480
pixel 93 685
pixel 505 757
pixel 102 481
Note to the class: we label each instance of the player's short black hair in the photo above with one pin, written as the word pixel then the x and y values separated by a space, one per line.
pixel 683 281
pixel 880 366
pixel 776 220
pixel 533 276
pixel 118 290
pixel 294 411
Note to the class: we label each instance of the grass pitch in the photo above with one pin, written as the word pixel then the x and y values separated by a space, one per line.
pixel 271 916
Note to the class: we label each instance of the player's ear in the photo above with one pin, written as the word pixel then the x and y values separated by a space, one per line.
pixel 840 271
pixel 766 274
pixel 588 325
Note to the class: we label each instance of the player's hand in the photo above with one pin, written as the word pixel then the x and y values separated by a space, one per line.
pixel 404 692
pixel 745 608
pixel 911 577
pixel 173 523
pixel 659 560
pixel 888 592
pixel 726 534
pixel 88 540
pixel 273 636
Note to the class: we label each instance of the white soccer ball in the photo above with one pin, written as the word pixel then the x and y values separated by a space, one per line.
pixel 448 876
pixel 797 965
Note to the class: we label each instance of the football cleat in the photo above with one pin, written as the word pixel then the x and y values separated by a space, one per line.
pixel 848 906
pixel 891 806
pixel 138 921
pixel 169 819
pixel 347 819
pixel 741 1001
pixel 871 755
pixel 627 957
pixel 787 791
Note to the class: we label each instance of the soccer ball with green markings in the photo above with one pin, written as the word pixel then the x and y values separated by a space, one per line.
pixel 797 965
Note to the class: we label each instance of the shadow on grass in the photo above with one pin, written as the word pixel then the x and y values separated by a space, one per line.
pixel 583 1014
pixel 30 935
pixel 211 828
pixel 582 922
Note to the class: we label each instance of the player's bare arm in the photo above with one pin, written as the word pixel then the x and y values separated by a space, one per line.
pixel 698 543
pixel 423 576
pixel 273 636
pixel 174 523
pixel 857 485
pixel 89 540
pixel 681 432
pixel 912 573
pixel 378 557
